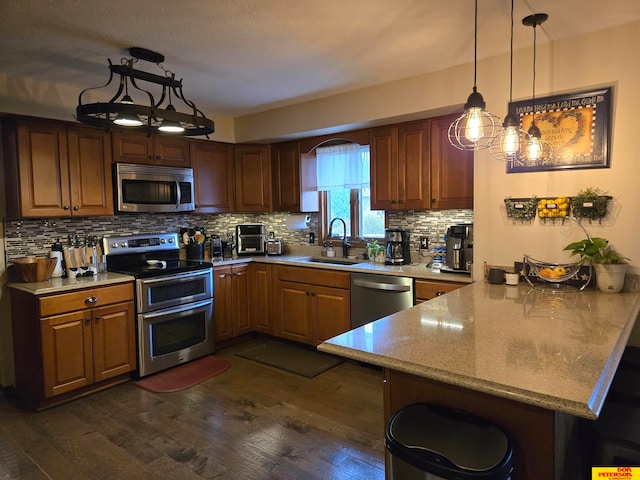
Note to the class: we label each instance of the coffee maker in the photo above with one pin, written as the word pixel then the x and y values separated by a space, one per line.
pixel 397 247
pixel 459 249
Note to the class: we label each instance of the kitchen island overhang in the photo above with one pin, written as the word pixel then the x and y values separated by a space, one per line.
pixel 537 364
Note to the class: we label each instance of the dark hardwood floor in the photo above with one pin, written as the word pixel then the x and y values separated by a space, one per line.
pixel 252 422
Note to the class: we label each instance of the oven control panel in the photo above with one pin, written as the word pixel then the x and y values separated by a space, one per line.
pixel 141 243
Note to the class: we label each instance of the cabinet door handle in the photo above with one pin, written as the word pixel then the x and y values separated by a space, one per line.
pixel 433 200
pixel 87 320
pixel 439 292
pixel 76 208
pixel 400 201
pixel 98 318
pixel 91 300
pixel 66 207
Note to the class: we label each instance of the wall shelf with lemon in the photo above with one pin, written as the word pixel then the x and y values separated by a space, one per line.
pixel 556 210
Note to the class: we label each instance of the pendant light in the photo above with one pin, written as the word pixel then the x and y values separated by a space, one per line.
pixel 506 146
pixel 124 119
pixel 476 128
pixel 535 150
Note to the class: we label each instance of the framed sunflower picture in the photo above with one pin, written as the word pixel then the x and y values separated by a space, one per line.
pixel 577 126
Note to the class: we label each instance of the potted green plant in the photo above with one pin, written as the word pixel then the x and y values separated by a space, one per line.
pixel 375 251
pixel 609 264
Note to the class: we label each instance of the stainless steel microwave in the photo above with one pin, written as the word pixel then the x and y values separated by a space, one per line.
pixel 153 188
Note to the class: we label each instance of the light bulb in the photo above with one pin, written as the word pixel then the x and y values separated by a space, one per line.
pixel 510 140
pixel 473 130
pixel 533 149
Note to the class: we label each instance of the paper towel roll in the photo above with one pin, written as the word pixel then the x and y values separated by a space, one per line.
pixel 298 222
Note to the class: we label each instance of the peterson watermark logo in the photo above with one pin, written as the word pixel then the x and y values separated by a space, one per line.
pixel 613 473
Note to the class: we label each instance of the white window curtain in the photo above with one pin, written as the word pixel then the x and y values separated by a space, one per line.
pixel 342 166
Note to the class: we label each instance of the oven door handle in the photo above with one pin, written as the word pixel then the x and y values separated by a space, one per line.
pixel 178 193
pixel 179 309
pixel 173 278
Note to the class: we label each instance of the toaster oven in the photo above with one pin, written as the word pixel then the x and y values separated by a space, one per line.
pixel 250 239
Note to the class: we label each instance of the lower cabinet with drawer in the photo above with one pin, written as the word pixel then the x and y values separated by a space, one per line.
pixel 428 289
pixel 310 305
pixel 70 344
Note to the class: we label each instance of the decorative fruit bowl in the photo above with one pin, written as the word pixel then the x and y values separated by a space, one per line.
pixel 556 276
pixel 34 269
pixel 552 272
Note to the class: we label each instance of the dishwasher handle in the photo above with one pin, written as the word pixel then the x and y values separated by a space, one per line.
pixel 382 286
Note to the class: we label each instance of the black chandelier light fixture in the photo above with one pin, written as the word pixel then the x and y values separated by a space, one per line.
pixel 476 128
pixel 151 116
pixel 535 150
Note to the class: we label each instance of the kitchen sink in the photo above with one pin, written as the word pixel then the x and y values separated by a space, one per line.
pixel 332 260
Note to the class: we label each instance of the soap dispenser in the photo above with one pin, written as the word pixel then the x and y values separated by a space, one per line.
pixel 330 251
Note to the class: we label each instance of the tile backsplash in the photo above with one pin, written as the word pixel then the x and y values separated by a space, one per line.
pixel 34 237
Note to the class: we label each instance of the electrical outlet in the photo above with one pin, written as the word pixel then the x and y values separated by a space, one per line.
pixel 424 243
pixel 312 237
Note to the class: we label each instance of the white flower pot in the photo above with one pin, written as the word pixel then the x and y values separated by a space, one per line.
pixel 610 278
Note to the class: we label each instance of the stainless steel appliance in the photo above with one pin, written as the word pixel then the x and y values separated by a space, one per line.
pixel 174 299
pixel 153 188
pixel 459 249
pixel 216 251
pixel 375 296
pixel 398 252
pixel 250 239
pixel 274 247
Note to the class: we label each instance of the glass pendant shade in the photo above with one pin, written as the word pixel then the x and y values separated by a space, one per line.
pixel 536 151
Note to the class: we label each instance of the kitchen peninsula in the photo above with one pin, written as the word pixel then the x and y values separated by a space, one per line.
pixel 531 361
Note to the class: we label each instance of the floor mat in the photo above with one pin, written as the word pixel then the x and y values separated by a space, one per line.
pixel 292 358
pixel 185 375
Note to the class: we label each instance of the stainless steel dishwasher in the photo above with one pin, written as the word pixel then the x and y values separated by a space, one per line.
pixel 375 296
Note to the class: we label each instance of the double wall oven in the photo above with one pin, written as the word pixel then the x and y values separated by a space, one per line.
pixel 174 299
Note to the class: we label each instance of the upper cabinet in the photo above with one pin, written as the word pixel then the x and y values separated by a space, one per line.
pixel 414 167
pixel 135 147
pixel 252 164
pixel 400 174
pixel 451 169
pixel 213 174
pixel 286 176
pixel 54 169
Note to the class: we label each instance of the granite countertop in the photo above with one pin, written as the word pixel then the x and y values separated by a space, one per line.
pixel 415 270
pixel 61 285
pixel 557 351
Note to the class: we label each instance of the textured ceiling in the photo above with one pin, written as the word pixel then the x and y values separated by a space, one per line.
pixel 242 56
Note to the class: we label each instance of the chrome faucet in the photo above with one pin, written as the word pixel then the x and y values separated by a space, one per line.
pixel 345 245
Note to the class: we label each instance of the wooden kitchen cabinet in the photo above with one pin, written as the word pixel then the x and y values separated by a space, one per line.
pixel 56 169
pixel 135 147
pixel 252 166
pixel 311 305
pixel 286 176
pixel 231 312
pixel 213 173
pixel 451 169
pixel 70 344
pixel 260 295
pixel 400 167
pixel 428 289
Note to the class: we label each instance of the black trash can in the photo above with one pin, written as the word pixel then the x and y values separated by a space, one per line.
pixel 431 442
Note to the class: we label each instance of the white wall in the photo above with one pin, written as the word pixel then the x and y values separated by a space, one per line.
pixel 610 57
